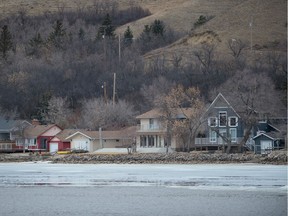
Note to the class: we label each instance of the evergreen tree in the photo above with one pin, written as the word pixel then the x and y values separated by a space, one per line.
pixel 201 20
pixel 36 41
pixel 57 36
pixel 146 34
pixel 158 27
pixel 128 36
pixel 5 41
pixel 106 29
pixel 35 44
pixel 81 34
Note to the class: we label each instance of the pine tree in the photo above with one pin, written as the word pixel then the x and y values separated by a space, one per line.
pixel 158 27
pixel 36 41
pixel 5 41
pixel 128 36
pixel 81 34
pixel 35 45
pixel 201 20
pixel 57 37
pixel 106 29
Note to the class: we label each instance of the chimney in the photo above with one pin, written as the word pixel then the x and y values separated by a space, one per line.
pixel 35 122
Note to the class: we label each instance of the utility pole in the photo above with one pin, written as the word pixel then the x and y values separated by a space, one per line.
pixel 100 138
pixel 105 92
pixel 119 51
pixel 114 89
pixel 251 33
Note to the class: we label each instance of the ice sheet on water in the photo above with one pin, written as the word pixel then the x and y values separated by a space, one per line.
pixel 216 177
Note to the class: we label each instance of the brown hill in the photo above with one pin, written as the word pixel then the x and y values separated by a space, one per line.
pixel 231 20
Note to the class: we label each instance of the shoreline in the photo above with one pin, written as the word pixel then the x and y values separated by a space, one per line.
pixel 274 158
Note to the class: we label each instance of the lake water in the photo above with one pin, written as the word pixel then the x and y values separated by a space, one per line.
pixel 136 189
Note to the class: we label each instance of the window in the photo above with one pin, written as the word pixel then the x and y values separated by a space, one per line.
pixel 32 142
pixel 151 123
pixel 222 119
pixel 233 121
pixel 233 134
pixel 213 136
pixel 212 121
pixel 19 142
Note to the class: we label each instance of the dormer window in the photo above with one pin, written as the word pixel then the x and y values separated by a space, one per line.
pixel 222 119
pixel 233 121
pixel 212 121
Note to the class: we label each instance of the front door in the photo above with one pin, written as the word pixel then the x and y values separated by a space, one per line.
pixel 43 143
pixel 222 132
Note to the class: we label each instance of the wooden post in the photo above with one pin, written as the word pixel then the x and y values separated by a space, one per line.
pixel 105 92
pixel 114 90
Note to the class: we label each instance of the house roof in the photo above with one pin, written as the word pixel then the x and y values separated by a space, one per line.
pixel 220 101
pixel 34 131
pixel 264 134
pixel 126 133
pixel 156 113
pixel 6 125
pixel 65 133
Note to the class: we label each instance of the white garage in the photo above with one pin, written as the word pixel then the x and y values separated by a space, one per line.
pixel 53 147
pixel 266 146
pixel 81 144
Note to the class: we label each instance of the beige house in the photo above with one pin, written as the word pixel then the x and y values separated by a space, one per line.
pixel 152 131
pixel 94 140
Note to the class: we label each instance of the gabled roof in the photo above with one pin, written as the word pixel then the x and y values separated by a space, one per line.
pixel 65 133
pixel 6 125
pixel 34 131
pixel 126 133
pixel 263 134
pixel 156 113
pixel 221 102
pixel 83 133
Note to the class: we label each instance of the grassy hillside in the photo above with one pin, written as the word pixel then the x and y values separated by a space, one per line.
pixel 231 19
pixel 268 32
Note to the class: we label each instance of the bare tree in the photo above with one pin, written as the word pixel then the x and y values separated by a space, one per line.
pixel 159 87
pixel 206 57
pixel 236 47
pixel 97 113
pixel 58 111
pixel 254 97
pixel 182 110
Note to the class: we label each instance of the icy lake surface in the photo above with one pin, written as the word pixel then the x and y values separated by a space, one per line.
pixel 208 176
pixel 142 189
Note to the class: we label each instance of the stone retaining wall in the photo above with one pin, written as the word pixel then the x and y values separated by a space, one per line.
pixel 279 157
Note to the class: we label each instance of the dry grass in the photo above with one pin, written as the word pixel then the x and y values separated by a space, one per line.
pixel 231 20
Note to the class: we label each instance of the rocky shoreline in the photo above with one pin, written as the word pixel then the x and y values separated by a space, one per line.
pixel 276 157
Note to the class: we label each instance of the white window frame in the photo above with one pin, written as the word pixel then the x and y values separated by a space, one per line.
pixel 20 142
pixel 212 136
pixel 236 121
pixel 234 138
pixel 209 121
pixel 32 142
pixel 222 112
pixel 151 123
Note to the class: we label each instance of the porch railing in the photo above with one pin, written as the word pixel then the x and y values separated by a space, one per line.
pixel 149 127
pixel 216 142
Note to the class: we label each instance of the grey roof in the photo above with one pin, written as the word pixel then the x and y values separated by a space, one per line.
pixel 6 125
